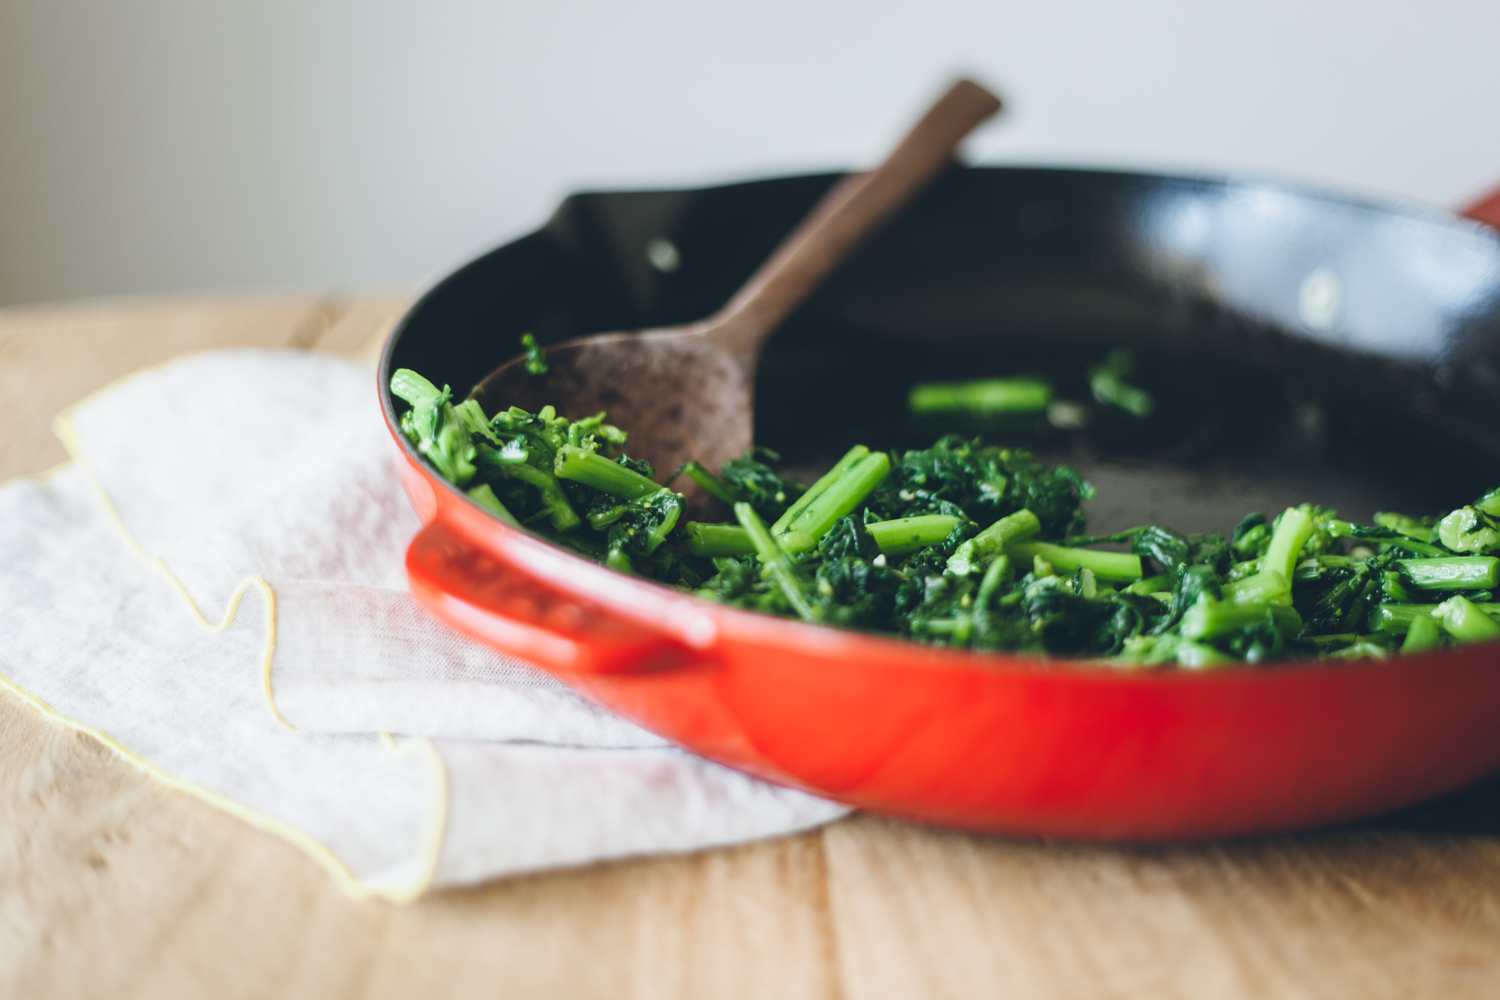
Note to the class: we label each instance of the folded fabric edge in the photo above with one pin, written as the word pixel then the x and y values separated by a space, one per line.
pixel 393 889
pixel 66 432
pixel 62 426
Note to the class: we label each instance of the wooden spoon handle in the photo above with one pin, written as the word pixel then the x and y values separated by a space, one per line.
pixel 852 209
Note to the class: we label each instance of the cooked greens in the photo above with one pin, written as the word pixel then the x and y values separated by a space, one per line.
pixel 1107 383
pixel 536 356
pixel 983 397
pixel 994 397
pixel 974 546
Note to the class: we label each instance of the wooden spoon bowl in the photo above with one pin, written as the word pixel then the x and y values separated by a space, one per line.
pixel 685 392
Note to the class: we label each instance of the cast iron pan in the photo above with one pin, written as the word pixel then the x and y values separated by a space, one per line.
pixel 1299 346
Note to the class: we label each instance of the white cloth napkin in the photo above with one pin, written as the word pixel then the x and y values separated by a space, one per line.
pixel 269 475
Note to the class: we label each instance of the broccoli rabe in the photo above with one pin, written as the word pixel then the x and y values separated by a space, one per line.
pixel 993 397
pixel 536 357
pixel 983 396
pixel 978 547
pixel 749 480
pixel 1107 383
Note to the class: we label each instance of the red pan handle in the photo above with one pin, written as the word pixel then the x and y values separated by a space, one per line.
pixel 498 601
pixel 1486 209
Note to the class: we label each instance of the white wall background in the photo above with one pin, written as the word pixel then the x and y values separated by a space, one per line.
pixel 169 145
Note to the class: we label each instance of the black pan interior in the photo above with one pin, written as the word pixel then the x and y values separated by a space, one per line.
pixel 1298 345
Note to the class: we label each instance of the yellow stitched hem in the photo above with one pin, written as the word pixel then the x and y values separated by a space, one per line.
pixel 65 430
pixel 436 825
pixel 368 889
pixel 437 822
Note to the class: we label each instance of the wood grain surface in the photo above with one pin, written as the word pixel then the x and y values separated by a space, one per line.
pixel 112 885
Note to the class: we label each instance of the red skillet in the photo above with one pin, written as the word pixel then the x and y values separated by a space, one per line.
pixel 1300 346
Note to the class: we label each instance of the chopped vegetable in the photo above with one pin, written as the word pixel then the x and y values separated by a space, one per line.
pixel 973 546
pixel 984 397
pixel 536 358
pixel 1107 383
pixel 1465 622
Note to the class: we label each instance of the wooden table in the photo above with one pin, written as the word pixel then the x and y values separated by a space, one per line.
pixel 112 885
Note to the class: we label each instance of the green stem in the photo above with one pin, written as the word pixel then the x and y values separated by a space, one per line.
pixel 1415 548
pixel 712 484
pixel 1396 619
pixel 1422 633
pixel 559 511
pixel 412 387
pixel 903 535
pixel 1292 532
pixel 843 465
pixel 1106 565
pixel 451 450
pixel 985 396
pixel 1266 587
pixel 1107 388
pixel 1247 543
pixel 1464 621
pixel 1119 536
pixel 1408 526
pixel 837 500
pixel 717 540
pixel 897 537
pixel 777 561
pixel 1152 584
pixel 1395 588
pixel 485 497
pixel 994 540
pixel 472 419
pixel 1385 534
pixel 1209 619
pixel 1452 573
pixel 592 469
pixel 509 453
pixel 994 575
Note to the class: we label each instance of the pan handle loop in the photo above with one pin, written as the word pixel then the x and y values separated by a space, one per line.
pixel 485 595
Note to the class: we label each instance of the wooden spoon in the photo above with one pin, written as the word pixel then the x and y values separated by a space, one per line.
pixel 686 392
